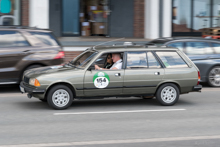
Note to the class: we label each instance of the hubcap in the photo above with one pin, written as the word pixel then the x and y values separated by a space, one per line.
pixel 214 76
pixel 60 98
pixel 168 94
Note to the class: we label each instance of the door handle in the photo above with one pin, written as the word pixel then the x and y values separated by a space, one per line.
pixel 117 74
pixel 157 73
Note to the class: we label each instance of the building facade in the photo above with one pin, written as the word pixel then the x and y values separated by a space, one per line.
pixel 114 18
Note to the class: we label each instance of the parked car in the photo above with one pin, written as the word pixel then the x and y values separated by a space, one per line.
pixel 23 48
pixel 205 53
pixel 162 72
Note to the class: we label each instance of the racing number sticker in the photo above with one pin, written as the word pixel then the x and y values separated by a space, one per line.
pixel 101 80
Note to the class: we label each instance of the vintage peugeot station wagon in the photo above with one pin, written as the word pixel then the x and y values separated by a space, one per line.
pixel 159 72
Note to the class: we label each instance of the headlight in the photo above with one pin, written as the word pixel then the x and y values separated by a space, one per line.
pixel 34 82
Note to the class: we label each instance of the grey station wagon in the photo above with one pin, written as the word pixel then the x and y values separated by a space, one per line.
pixel 146 71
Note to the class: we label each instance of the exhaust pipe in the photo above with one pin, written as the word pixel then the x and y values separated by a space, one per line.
pixel 29 95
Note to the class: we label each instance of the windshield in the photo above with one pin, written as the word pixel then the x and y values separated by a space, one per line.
pixel 82 60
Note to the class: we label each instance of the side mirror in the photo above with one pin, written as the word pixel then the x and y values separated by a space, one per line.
pixel 92 67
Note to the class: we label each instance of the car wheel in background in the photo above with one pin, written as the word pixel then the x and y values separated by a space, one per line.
pixel 214 77
pixel 167 94
pixel 60 97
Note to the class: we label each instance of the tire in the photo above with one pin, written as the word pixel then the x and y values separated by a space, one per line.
pixel 214 77
pixel 167 94
pixel 60 97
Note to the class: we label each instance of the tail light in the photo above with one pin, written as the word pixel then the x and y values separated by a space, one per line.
pixel 60 55
pixel 199 78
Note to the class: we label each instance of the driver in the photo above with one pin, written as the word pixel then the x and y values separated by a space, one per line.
pixel 116 57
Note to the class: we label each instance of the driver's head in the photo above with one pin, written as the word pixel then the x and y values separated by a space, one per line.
pixel 116 57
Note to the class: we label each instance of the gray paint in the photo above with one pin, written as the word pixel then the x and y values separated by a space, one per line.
pixel 55 16
pixel 121 18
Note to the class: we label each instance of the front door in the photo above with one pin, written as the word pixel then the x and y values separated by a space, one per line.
pixel 142 74
pixel 103 82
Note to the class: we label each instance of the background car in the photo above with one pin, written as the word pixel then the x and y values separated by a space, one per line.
pixel 205 53
pixel 23 48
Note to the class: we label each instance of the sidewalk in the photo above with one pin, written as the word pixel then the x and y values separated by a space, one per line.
pixel 95 40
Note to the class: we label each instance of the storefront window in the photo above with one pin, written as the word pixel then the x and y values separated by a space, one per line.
pixel 181 15
pixel 216 13
pixel 201 15
pixel 10 12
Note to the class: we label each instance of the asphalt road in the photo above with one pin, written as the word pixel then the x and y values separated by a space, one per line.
pixel 115 122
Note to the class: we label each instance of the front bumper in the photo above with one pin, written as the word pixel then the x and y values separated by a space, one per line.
pixel 30 90
pixel 197 88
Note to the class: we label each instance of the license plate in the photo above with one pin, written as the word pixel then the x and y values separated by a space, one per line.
pixel 22 89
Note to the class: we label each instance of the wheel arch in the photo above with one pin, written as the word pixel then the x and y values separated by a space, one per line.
pixel 61 83
pixel 168 82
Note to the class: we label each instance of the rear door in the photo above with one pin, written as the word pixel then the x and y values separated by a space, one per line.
pixel 142 74
pixel 13 47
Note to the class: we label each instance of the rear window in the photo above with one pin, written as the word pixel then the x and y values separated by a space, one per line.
pixel 216 47
pixel 46 38
pixel 172 59
pixel 178 45
pixel 198 48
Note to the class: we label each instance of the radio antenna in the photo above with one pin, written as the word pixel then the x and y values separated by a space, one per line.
pixel 107 42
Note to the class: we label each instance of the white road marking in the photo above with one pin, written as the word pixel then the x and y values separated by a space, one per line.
pixel 117 141
pixel 111 112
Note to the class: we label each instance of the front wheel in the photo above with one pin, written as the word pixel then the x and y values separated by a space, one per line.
pixel 60 97
pixel 214 77
pixel 167 94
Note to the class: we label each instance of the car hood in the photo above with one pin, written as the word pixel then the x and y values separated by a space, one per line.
pixel 48 69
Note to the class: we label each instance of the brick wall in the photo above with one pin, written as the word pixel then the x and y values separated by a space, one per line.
pixel 70 55
pixel 25 12
pixel 139 18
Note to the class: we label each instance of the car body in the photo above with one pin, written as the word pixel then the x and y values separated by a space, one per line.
pixel 146 71
pixel 205 53
pixel 23 48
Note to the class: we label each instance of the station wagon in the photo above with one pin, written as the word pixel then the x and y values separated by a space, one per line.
pixel 161 72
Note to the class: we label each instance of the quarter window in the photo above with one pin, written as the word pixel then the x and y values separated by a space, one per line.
pixel 171 59
pixel 46 38
pixel 198 48
pixel 12 39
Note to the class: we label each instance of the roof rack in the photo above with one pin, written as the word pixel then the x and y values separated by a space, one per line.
pixel 156 46
pixel 125 44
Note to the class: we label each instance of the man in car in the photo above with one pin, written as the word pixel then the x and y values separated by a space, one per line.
pixel 116 57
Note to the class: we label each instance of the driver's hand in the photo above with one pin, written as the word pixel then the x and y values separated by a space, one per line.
pixel 97 67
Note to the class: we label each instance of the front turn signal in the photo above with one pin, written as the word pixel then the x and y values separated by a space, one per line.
pixel 36 83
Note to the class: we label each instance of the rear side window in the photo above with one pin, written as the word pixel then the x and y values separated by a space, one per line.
pixel 46 38
pixel 216 47
pixel 12 39
pixel 198 48
pixel 141 60
pixel 178 45
pixel 172 59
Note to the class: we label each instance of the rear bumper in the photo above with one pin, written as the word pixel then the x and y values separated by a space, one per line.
pixel 197 88
pixel 30 90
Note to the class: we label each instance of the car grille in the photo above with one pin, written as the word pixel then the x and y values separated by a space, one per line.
pixel 26 80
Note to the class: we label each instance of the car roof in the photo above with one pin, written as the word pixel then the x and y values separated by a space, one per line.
pixel 129 48
pixel 22 28
pixel 169 39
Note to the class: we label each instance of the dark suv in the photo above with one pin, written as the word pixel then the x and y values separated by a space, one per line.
pixel 23 48
pixel 205 53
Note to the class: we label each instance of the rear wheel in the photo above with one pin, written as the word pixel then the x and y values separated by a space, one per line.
pixel 60 97
pixel 167 94
pixel 214 77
